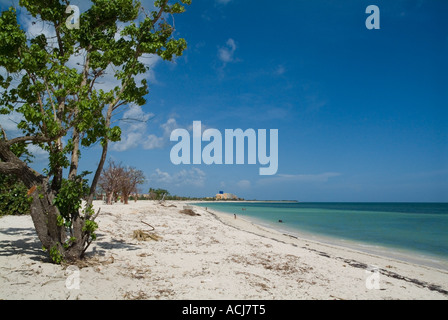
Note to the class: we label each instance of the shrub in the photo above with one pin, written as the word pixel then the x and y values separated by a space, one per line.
pixel 13 196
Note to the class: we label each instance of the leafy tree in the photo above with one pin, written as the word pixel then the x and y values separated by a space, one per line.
pixel 13 196
pixel 56 100
pixel 13 193
pixel 157 194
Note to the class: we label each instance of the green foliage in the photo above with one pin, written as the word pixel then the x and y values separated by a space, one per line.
pixel 13 196
pixel 157 194
pixel 69 242
pixel 14 199
pixel 58 99
pixel 69 198
pixel 90 227
pixel 55 255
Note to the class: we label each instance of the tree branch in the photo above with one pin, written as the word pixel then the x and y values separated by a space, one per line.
pixel 11 164
pixel 4 133
pixel 41 104
pixel 162 9
pixel 27 138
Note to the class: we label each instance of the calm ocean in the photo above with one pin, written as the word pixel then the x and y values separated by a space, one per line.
pixel 416 230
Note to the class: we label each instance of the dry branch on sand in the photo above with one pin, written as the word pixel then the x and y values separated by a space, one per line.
pixel 189 212
pixel 141 235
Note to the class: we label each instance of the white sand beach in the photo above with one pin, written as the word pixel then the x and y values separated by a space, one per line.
pixel 209 256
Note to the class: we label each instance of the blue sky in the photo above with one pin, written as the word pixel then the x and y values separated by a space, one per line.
pixel 362 115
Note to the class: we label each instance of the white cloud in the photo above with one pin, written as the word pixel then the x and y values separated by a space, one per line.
pixel 135 118
pixel 38 153
pixel 134 133
pixel 161 176
pixel 128 141
pixel 226 54
pixel 9 123
pixel 133 126
pixel 192 177
pixel 152 141
pixel 169 126
pixel 34 27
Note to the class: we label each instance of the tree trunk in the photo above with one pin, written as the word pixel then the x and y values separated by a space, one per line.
pixel 51 232
pixel 125 197
pixel 44 214
pixel 109 198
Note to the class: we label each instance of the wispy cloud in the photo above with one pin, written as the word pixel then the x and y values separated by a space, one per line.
pixel 133 126
pixel 224 2
pixel 305 178
pixel 226 54
pixel 9 123
pixel 154 142
pixel 243 184
pixel 193 177
pixel 279 70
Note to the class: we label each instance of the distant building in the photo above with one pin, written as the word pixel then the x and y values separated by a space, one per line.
pixel 226 196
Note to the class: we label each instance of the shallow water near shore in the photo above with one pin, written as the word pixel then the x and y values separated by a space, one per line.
pixel 414 232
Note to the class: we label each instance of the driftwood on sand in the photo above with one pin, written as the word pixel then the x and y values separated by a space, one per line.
pixel 189 212
pixel 141 235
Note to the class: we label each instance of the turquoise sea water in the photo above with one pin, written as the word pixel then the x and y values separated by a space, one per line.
pixel 419 229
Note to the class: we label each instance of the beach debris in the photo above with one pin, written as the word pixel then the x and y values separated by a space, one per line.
pixel 162 201
pixel 141 235
pixel 189 212
pixel 140 295
pixel 94 261
pixel 148 225
pixel 170 206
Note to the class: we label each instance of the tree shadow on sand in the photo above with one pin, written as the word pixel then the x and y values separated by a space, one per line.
pixel 102 247
pixel 28 243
